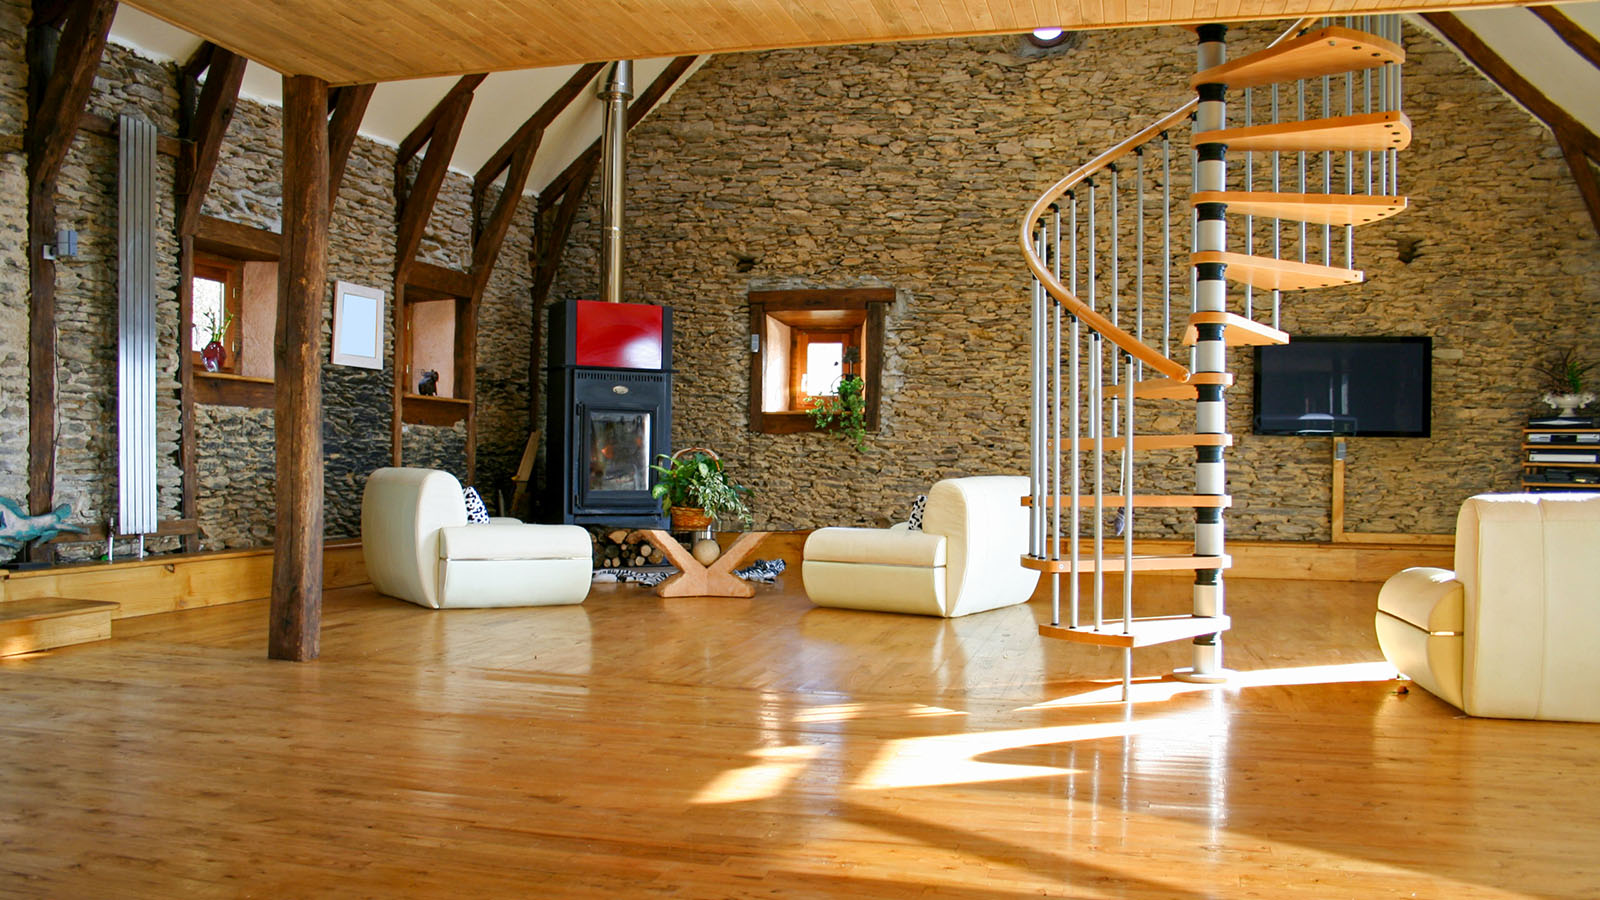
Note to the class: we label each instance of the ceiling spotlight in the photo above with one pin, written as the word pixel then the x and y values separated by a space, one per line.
pixel 1048 34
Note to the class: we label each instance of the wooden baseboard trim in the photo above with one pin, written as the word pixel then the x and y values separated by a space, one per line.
pixel 174 581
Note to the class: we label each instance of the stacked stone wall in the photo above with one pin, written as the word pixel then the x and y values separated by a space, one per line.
pixel 909 164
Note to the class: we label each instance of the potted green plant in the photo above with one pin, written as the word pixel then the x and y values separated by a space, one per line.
pixel 1567 381
pixel 694 489
pixel 214 356
pixel 847 407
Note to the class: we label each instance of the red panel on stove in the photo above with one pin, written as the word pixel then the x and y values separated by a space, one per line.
pixel 619 335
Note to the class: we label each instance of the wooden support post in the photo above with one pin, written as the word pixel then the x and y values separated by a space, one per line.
pixel 62 67
pixel 296 617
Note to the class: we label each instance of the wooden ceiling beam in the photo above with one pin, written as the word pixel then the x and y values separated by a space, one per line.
pixel 1571 32
pixel 534 127
pixel 345 119
pixel 419 201
pixel 61 75
pixel 207 127
pixel 548 258
pixel 636 112
pixel 1583 175
pixel 486 250
pixel 1519 88
pixel 424 131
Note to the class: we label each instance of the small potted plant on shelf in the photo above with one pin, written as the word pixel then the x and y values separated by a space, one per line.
pixel 214 355
pixel 847 407
pixel 694 489
pixel 1567 382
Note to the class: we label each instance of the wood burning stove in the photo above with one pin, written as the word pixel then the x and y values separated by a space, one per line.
pixel 610 411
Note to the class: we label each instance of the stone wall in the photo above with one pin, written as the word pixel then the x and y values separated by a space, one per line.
pixel 909 164
pixel 235 445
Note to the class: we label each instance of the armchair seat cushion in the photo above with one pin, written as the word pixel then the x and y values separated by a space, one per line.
pixel 518 541
pixel 879 546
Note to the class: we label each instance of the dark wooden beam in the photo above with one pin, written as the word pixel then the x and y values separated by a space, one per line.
pixel 419 200
pixel 188 450
pixel 1583 175
pixel 206 130
pixel 343 124
pixel 1571 32
pixel 534 126
pixel 294 630
pixel 637 110
pixel 438 280
pixel 61 73
pixel 107 127
pixel 424 130
pixel 1520 89
pixel 486 250
pixel 554 243
pixel 225 238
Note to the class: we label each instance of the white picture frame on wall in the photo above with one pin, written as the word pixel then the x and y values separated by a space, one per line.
pixel 357 325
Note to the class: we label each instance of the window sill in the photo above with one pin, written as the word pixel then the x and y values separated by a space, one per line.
pixel 222 389
pixel 416 409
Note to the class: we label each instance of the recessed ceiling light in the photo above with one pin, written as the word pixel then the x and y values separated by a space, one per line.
pixel 1048 34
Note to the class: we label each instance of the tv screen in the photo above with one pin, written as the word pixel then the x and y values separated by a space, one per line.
pixel 1362 387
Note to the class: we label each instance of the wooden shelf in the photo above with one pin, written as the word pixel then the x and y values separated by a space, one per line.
pixel 1327 51
pixel 1240 332
pixel 1144 632
pixel 1368 131
pixel 1318 209
pixel 1140 563
pixel 416 409
pixel 1167 389
pixel 223 389
pixel 1277 274
pixel 1530 464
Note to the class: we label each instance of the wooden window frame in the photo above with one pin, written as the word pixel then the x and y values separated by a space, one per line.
pixel 431 283
pixel 230 272
pixel 219 239
pixel 873 302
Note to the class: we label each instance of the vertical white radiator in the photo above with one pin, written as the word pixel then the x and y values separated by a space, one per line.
pixel 136 330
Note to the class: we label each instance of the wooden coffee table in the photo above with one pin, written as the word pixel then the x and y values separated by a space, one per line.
pixel 715 580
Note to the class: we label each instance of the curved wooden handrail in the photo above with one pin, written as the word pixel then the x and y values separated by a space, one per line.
pixel 1133 346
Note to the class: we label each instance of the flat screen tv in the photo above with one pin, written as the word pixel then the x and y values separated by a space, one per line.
pixel 1356 386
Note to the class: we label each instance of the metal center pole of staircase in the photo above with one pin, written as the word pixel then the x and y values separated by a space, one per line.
pixel 1210 353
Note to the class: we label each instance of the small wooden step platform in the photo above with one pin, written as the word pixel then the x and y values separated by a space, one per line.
pixel 1167 389
pixel 1277 274
pixel 1367 131
pixel 1157 442
pixel 1145 632
pixel 1327 51
pixel 1318 209
pixel 1152 501
pixel 1241 332
pixel 1140 563
pixel 27 626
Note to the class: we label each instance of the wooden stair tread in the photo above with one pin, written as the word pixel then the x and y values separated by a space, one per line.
pixel 1318 209
pixel 1277 274
pixel 1144 632
pixel 1156 442
pixel 1153 501
pixel 1240 332
pixel 1366 131
pixel 43 623
pixel 1327 51
pixel 1140 563
pixel 1167 389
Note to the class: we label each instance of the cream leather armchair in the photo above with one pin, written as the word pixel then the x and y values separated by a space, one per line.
pixel 966 558
pixel 1513 632
pixel 419 547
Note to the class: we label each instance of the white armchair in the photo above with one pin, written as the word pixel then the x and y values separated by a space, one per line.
pixel 419 547
pixel 1512 632
pixel 966 558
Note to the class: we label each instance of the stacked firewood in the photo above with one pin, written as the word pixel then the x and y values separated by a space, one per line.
pixel 621 548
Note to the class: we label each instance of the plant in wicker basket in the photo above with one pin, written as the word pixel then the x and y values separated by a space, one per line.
pixel 695 488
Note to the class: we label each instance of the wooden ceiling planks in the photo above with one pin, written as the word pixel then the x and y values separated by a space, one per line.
pixel 356 41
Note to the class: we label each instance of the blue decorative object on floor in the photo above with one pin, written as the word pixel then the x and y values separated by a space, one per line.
pixel 18 528
pixel 477 513
pixel 765 571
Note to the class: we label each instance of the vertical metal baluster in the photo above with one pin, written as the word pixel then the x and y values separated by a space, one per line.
pixel 1249 219
pixel 1036 429
pixel 1399 101
pixel 1127 534
pixel 1116 274
pixel 1096 413
pixel 1277 223
pixel 1366 93
pixel 1055 444
pixel 1300 96
pixel 1166 245
pixel 1075 429
pixel 1138 284
pixel 1349 167
pixel 1327 176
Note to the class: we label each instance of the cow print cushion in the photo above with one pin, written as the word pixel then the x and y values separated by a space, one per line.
pixel 477 513
pixel 914 523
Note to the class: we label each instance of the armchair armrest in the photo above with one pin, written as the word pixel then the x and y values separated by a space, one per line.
pixel 1430 599
pixel 877 546
pixel 519 541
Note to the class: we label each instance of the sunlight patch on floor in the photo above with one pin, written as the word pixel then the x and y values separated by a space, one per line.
pixel 1157 690
pixel 842 712
pixel 778 768
pixel 944 759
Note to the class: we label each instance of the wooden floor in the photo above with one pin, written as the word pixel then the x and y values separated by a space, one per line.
pixel 638 747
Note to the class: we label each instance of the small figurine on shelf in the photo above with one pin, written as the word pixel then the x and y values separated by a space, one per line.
pixel 429 385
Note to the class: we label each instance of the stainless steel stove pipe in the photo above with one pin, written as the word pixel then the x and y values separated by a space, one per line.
pixel 615 92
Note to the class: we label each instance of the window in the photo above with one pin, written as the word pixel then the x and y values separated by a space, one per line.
pixel 215 313
pixel 803 342
pixel 436 352
pixel 233 289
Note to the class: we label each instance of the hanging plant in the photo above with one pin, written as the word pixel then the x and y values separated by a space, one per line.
pixel 847 408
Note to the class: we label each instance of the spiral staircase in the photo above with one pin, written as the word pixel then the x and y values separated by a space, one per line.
pixel 1319 128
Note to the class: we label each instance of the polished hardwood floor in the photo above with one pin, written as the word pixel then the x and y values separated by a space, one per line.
pixel 712 747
